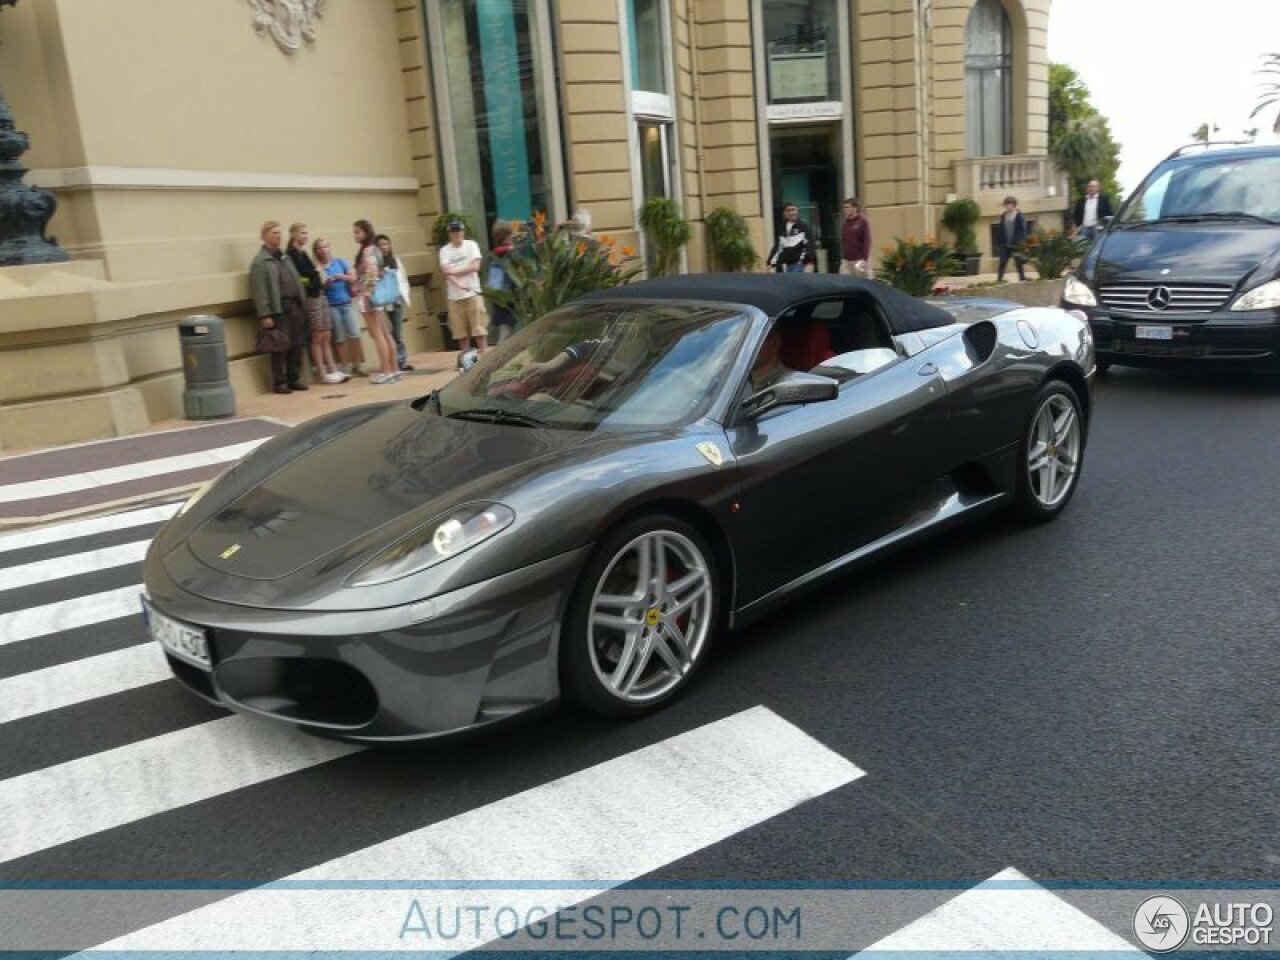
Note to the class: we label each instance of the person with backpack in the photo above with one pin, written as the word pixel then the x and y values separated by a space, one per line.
pixel 497 278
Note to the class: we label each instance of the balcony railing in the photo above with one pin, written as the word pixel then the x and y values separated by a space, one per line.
pixel 1034 180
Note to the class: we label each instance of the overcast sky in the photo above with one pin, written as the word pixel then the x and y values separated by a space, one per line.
pixel 1157 69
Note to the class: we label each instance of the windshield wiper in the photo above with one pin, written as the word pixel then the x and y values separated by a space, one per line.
pixel 497 415
pixel 1216 215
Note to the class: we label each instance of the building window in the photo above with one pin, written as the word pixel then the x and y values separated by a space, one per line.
pixel 652 105
pixel 988 74
pixel 655 162
pixel 802 51
pixel 490 55
pixel 648 46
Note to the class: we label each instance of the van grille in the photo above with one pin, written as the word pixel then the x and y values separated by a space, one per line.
pixel 1180 297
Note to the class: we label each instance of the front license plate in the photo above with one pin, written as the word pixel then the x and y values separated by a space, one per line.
pixel 1154 333
pixel 181 639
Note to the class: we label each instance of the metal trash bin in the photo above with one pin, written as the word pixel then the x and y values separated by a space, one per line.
pixel 208 392
pixel 445 335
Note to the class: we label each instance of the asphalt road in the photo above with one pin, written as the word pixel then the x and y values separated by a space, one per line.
pixel 1092 699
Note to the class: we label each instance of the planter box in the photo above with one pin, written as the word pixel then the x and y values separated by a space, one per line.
pixel 1032 293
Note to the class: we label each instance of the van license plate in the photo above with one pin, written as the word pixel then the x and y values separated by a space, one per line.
pixel 1154 333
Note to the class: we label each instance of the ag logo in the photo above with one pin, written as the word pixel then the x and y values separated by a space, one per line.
pixel 1161 924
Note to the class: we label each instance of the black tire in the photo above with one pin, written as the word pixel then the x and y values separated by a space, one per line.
pixel 1040 494
pixel 591 652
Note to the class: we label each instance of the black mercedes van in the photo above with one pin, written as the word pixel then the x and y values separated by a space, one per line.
pixel 1189 269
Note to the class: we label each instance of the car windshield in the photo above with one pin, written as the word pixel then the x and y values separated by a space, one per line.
pixel 1209 188
pixel 602 364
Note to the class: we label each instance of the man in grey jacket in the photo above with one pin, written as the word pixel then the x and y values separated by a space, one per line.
pixel 277 301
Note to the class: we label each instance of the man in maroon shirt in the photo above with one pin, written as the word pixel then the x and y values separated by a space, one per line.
pixel 855 241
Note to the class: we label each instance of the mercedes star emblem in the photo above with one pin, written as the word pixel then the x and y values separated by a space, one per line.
pixel 1160 298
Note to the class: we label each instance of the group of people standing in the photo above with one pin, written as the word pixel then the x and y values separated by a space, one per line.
pixel 318 300
pixel 793 250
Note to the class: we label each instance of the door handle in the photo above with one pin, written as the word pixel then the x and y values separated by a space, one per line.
pixel 928 370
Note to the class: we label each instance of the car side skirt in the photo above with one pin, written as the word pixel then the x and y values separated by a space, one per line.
pixel 950 510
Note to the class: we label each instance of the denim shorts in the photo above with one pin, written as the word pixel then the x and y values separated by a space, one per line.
pixel 345 324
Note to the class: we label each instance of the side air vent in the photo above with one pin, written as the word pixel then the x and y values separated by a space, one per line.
pixel 980 340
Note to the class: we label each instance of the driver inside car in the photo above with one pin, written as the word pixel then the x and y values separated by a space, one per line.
pixel 769 368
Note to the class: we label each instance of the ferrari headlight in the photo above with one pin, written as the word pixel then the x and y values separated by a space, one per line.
pixel 435 542
pixel 191 500
pixel 1265 297
pixel 1075 291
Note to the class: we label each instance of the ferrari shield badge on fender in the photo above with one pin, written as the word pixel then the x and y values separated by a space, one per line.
pixel 230 552
pixel 711 452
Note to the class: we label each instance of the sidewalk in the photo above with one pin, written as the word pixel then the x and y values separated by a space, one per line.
pixel 174 457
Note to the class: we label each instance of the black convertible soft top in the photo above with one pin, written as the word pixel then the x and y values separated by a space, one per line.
pixel 775 293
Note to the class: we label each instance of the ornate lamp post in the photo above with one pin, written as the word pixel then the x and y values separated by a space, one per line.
pixel 24 210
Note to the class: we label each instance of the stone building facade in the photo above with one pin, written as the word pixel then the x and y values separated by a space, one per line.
pixel 170 129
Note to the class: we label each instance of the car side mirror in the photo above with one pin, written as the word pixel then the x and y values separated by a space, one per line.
pixel 795 389
pixel 1105 221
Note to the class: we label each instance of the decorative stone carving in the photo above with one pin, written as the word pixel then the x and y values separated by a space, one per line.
pixel 290 22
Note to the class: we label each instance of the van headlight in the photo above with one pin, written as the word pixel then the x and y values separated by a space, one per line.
pixel 1075 291
pixel 1265 297
pixel 435 542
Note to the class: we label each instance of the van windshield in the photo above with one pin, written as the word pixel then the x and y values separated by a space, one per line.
pixel 1209 188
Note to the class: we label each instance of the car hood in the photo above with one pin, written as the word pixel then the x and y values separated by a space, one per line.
pixel 396 471
pixel 1224 253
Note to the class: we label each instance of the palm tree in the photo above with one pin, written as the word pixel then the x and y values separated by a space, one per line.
pixel 1270 95
pixel 1080 150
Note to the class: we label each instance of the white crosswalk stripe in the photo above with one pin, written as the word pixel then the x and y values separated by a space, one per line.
pixel 67 684
pixel 57 532
pixel 77 564
pixel 69 614
pixel 1007 913
pixel 105 790
pixel 696 788
pixel 73 483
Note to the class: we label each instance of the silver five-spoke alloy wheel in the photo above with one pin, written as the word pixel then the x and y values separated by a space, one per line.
pixel 650 616
pixel 1053 455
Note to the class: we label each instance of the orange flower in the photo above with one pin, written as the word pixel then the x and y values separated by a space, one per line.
pixel 628 251
pixel 931 239
pixel 540 217
pixel 517 226
pixel 606 239
pixel 582 247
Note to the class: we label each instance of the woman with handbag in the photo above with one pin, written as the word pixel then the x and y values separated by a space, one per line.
pixel 395 311
pixel 374 284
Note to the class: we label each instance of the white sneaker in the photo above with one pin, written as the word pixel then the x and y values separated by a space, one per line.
pixel 336 377
pixel 382 378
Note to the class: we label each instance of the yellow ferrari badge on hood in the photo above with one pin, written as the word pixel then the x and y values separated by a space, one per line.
pixel 711 452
